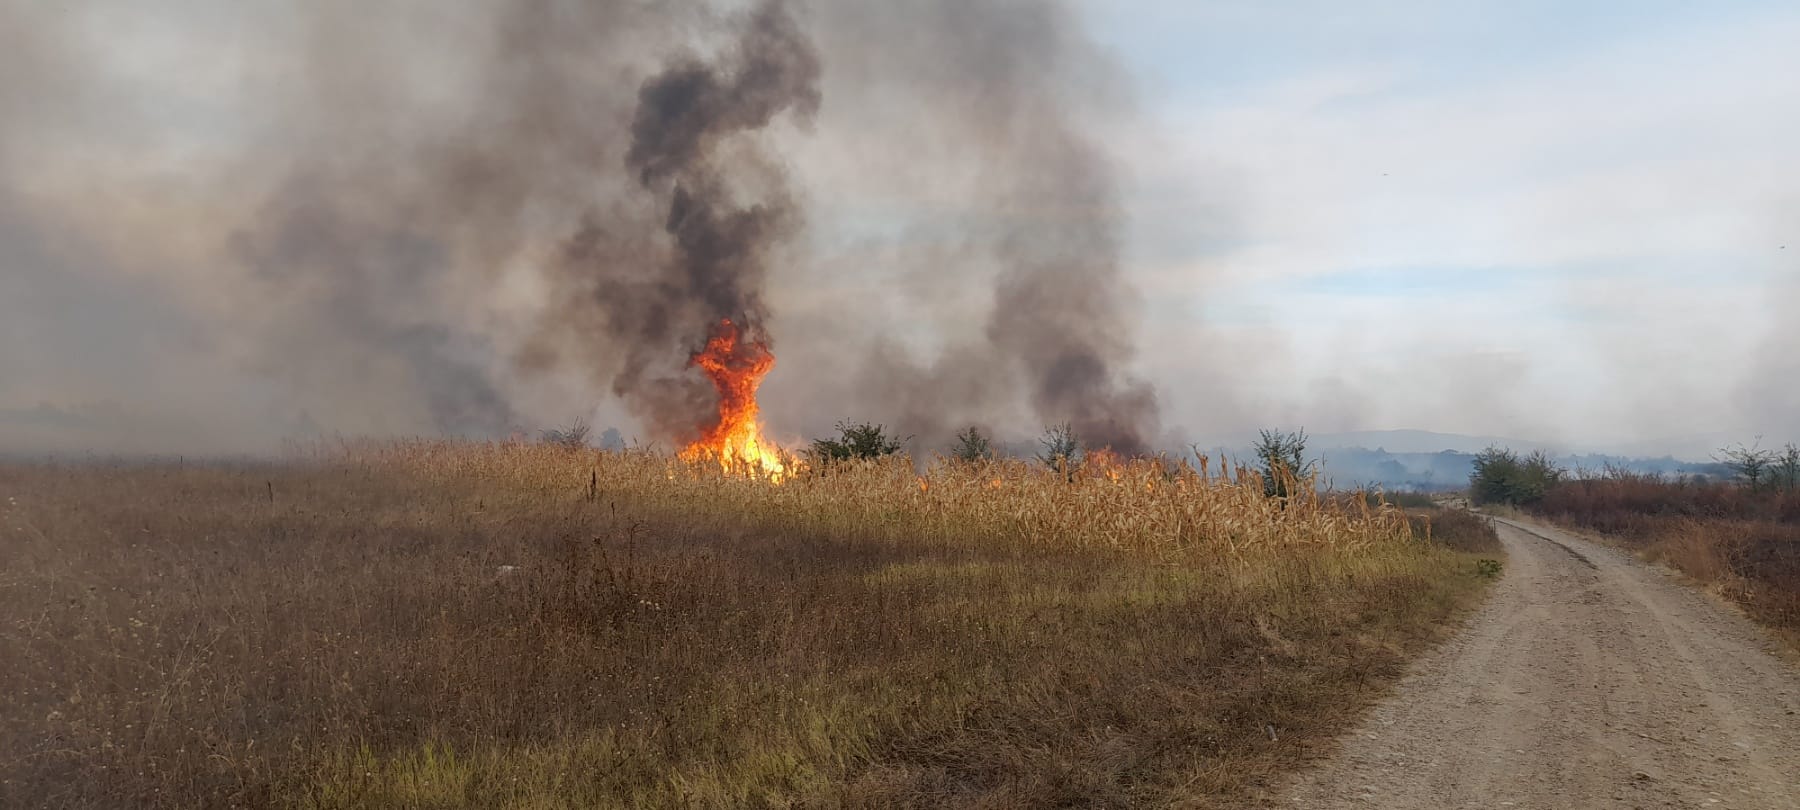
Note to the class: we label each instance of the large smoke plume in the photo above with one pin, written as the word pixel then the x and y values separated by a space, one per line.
pixel 434 219
pixel 720 248
pixel 1017 95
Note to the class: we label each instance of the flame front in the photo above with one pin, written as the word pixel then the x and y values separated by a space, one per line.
pixel 736 367
pixel 1106 461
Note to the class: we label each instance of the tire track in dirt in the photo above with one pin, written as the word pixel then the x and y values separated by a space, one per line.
pixel 1588 680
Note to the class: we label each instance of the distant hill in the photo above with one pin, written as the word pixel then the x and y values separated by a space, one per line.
pixel 1424 460
pixel 1420 441
pixel 1349 467
pixel 1695 447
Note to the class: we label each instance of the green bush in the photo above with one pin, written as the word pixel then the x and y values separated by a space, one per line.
pixel 972 445
pixel 860 440
pixel 1284 463
pixel 1502 476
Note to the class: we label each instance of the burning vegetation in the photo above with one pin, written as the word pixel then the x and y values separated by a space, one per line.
pixel 567 209
pixel 445 624
pixel 736 364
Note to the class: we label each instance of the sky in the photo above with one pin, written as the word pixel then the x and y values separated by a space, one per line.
pixel 1570 223
pixel 1571 216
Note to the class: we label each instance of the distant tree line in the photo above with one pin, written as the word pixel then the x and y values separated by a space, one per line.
pixel 1503 476
pixel 1061 449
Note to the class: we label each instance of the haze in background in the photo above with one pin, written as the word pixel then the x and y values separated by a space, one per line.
pixel 222 224
pixel 1557 222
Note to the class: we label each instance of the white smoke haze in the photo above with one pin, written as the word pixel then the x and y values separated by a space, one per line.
pixel 1769 397
pixel 223 224
pixel 1578 245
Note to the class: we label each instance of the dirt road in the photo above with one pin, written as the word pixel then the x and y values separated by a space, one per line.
pixel 1588 680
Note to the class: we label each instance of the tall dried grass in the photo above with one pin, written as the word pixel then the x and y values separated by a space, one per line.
pixel 450 625
pixel 1457 529
pixel 1147 506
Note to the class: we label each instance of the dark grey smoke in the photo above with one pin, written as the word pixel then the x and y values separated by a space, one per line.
pixel 1061 308
pixel 553 127
pixel 1011 94
pixel 720 246
pixel 683 112
pixel 423 218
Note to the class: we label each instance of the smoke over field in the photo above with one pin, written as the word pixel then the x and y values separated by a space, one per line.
pixel 472 220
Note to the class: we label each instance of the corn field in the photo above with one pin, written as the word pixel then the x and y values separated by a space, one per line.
pixel 1154 506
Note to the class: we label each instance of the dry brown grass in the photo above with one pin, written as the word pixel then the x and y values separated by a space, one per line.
pixel 1458 529
pixel 439 625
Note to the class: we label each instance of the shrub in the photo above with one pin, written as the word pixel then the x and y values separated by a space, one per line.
pixel 972 445
pixel 1457 529
pixel 1757 468
pixel 573 437
pixel 1404 500
pixel 1283 458
pixel 1502 476
pixel 1787 467
pixel 1062 448
pixel 860 440
pixel 1751 465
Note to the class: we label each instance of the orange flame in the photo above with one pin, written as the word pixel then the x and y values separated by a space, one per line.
pixel 736 367
pixel 1106 462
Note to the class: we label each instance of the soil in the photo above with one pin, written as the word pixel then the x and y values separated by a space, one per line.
pixel 1590 679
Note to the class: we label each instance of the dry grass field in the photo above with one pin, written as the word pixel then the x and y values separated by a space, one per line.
pixel 1458 529
pixel 436 625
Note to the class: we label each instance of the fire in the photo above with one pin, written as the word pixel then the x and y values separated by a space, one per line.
pixel 1106 461
pixel 736 367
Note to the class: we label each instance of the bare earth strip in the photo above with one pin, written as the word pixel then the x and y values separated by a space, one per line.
pixel 1589 680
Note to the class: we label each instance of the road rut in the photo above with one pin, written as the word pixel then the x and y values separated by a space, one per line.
pixel 1588 680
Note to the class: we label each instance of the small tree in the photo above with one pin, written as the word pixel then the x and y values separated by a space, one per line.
pixel 1062 448
pixel 1283 457
pixel 860 440
pixel 1502 476
pixel 1752 465
pixel 972 445
pixel 1543 472
pixel 1787 468
pixel 573 437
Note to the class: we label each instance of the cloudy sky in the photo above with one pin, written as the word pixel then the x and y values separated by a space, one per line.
pixel 1576 223
pixel 1525 218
